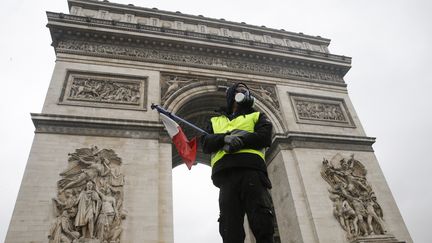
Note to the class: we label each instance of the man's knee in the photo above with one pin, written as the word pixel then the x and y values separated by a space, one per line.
pixel 262 224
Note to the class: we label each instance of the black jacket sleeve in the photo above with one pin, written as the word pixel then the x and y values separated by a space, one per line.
pixel 211 142
pixel 262 135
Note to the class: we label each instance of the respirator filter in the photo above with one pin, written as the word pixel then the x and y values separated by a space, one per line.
pixel 240 98
pixel 244 98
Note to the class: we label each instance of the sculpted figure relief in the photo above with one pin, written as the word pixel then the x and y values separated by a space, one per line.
pixel 172 83
pixel 285 70
pixel 90 197
pixel 107 214
pixel 100 90
pixel 62 230
pixel 88 206
pixel 267 94
pixel 354 202
pixel 319 111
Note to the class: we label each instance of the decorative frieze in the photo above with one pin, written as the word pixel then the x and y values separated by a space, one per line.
pixel 320 110
pixel 89 201
pixel 104 90
pixel 208 60
pixel 355 205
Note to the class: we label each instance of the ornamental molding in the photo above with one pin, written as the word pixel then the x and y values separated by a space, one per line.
pixel 89 201
pixel 199 57
pixel 95 126
pixel 104 90
pixel 293 140
pixel 60 23
pixel 200 24
pixel 319 110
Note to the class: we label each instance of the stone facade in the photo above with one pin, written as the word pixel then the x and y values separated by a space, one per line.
pixel 113 61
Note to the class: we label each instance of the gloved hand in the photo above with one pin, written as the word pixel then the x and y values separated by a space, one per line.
pixel 233 143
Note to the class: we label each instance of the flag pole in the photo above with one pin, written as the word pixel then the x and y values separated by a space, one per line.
pixel 174 117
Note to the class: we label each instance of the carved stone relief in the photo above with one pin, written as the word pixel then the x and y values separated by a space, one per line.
pixel 104 90
pixel 355 204
pixel 320 110
pixel 154 54
pixel 89 202
pixel 266 94
pixel 170 83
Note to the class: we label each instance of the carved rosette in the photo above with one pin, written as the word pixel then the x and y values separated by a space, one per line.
pixel 89 202
pixel 355 205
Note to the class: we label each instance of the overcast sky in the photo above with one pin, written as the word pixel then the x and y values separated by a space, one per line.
pixel 389 85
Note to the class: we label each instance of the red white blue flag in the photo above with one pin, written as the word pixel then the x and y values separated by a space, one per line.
pixel 186 149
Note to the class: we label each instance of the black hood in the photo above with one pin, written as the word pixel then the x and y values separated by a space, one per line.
pixel 230 99
pixel 230 94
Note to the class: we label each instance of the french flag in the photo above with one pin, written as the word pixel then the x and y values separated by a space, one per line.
pixel 186 149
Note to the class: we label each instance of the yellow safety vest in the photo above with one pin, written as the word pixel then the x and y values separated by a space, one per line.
pixel 221 124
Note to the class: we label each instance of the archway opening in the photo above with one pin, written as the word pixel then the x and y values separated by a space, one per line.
pixel 195 205
pixel 195 198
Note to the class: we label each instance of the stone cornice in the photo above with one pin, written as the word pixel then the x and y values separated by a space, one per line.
pixel 154 12
pixel 79 39
pixel 131 30
pixel 292 140
pixel 96 126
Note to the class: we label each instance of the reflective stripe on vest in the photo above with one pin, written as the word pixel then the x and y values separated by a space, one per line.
pixel 221 124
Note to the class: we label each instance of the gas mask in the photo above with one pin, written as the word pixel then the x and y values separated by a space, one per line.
pixel 244 98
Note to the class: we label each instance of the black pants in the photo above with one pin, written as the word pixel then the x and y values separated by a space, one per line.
pixel 245 191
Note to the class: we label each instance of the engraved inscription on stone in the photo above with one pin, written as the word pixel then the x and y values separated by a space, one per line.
pixel 320 110
pixel 355 204
pixel 103 90
pixel 89 202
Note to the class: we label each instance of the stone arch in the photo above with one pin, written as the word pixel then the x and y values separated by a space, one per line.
pixel 198 101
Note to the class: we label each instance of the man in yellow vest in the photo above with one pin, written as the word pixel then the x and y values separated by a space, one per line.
pixel 236 141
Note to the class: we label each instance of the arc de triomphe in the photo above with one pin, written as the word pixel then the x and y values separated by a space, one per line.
pixel 100 164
